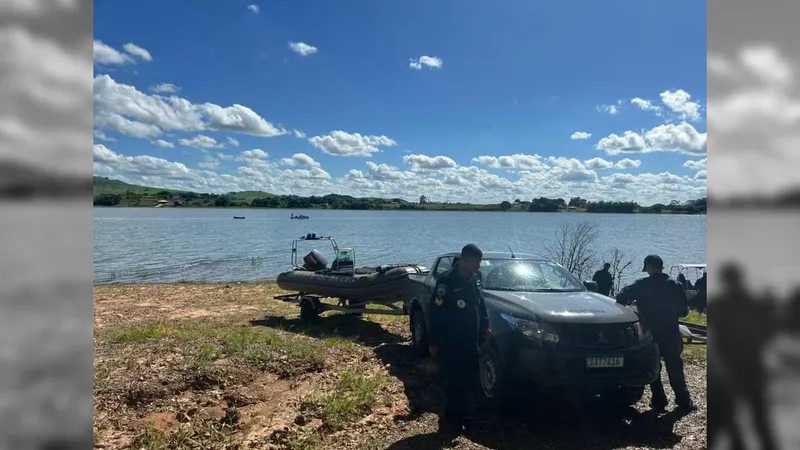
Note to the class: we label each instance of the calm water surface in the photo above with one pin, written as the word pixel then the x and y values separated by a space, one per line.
pixel 168 245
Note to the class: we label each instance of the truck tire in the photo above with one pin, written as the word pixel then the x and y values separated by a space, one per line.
pixel 419 332
pixel 490 375
pixel 624 395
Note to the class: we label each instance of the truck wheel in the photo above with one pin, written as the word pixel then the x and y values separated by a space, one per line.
pixel 309 310
pixel 625 395
pixel 490 374
pixel 419 332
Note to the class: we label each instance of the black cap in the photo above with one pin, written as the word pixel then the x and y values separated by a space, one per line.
pixel 652 260
pixel 471 251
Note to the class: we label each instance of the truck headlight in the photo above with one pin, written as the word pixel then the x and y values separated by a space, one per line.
pixel 642 333
pixel 531 329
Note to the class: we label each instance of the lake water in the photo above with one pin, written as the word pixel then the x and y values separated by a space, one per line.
pixel 169 245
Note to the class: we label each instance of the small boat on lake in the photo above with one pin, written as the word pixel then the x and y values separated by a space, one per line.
pixel 238 217
pixel 298 216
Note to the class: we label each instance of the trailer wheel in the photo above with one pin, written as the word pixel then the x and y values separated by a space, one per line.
pixel 309 310
pixel 357 306
pixel 419 332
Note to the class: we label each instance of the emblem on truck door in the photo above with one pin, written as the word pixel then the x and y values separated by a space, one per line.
pixel 441 290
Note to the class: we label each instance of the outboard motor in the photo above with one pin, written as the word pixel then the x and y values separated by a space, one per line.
pixel 315 261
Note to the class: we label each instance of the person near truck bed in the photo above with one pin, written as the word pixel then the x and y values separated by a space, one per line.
pixel 459 324
pixel 661 302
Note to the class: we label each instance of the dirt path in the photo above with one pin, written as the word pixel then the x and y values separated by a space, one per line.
pixel 220 366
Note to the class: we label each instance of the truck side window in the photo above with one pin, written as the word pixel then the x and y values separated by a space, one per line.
pixel 444 264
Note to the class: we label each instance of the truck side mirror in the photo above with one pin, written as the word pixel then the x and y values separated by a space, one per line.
pixel 590 285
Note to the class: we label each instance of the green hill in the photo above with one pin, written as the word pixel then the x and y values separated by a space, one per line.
pixel 108 192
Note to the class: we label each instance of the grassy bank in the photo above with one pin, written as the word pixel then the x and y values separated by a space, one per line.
pixel 226 366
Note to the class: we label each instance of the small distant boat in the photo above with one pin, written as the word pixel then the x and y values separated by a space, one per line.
pixel 298 216
pixel 238 217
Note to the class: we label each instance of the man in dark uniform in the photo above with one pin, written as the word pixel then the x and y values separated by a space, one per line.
pixel 700 301
pixel 604 279
pixel 459 324
pixel 661 302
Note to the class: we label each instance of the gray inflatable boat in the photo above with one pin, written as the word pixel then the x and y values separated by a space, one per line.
pixel 382 284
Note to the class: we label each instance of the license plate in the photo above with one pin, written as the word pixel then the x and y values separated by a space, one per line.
pixel 604 362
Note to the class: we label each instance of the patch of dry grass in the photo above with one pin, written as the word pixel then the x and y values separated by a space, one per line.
pixel 352 398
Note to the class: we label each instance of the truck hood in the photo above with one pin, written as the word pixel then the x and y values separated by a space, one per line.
pixel 568 307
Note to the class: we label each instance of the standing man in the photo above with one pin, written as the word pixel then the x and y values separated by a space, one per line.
pixel 459 324
pixel 700 300
pixel 604 280
pixel 661 302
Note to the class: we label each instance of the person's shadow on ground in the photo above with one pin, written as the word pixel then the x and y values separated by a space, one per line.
pixel 556 426
pixel 342 325
pixel 530 421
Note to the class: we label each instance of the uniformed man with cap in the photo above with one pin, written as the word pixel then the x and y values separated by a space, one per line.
pixel 459 324
pixel 661 302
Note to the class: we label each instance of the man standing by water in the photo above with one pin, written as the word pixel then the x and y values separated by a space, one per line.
pixel 604 279
pixel 459 324
pixel 661 302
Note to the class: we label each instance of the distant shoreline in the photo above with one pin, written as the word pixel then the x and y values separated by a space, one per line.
pixel 475 208
pixel 115 193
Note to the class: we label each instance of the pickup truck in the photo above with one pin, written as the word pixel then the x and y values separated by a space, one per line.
pixel 547 328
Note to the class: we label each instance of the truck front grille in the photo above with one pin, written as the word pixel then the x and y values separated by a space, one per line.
pixel 597 336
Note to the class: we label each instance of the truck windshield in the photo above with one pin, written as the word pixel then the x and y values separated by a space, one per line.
pixel 527 276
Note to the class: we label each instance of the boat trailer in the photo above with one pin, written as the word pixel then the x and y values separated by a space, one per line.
pixel 693 333
pixel 311 306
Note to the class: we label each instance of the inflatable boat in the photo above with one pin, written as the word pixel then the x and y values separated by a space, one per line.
pixel 342 280
pixel 365 284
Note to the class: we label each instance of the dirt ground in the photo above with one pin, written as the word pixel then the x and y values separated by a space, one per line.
pixel 225 366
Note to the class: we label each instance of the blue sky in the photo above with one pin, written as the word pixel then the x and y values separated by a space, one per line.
pixel 496 79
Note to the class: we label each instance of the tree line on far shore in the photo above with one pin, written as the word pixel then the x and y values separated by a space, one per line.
pixel 334 201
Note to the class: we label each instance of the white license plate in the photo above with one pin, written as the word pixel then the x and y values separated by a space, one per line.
pixel 603 362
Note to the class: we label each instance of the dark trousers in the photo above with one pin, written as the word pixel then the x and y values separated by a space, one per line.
pixel 671 348
pixel 461 370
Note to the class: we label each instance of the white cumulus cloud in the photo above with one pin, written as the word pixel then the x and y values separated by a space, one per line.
pixel 124 109
pixel 424 61
pixel 580 135
pixel 302 49
pixel 678 138
pixel 342 143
